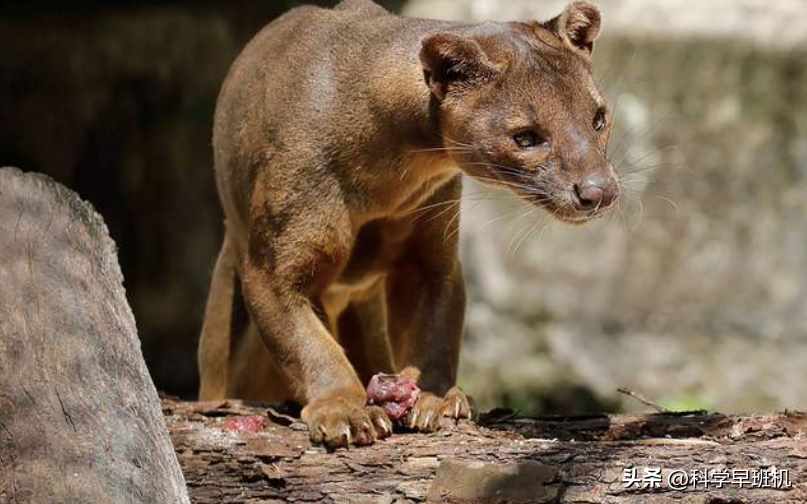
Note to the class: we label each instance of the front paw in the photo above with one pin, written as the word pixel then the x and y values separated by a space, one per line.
pixel 339 422
pixel 431 411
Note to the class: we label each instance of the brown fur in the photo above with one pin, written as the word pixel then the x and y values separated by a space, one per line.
pixel 340 136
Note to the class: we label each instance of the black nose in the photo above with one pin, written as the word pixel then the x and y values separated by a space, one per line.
pixel 595 191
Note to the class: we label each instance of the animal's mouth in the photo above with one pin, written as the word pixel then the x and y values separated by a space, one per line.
pixel 565 211
pixel 564 205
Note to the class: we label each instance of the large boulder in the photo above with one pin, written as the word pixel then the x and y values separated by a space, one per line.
pixel 80 420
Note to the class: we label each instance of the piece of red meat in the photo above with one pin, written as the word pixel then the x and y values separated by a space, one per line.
pixel 396 394
pixel 253 423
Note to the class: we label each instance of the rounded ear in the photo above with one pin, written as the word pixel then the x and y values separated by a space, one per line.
pixel 450 59
pixel 578 26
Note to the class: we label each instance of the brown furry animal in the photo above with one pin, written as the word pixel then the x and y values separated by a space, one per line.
pixel 340 137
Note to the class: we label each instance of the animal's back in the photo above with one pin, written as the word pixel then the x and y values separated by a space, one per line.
pixel 285 88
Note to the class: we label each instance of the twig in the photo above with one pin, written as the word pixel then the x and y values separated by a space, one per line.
pixel 643 400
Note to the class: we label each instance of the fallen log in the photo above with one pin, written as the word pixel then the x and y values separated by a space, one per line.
pixel 655 458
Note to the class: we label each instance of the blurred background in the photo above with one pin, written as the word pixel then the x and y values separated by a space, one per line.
pixel 693 294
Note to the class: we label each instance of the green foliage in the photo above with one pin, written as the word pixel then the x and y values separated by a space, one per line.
pixel 687 402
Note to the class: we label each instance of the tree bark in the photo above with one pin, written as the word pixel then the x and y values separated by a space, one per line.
pixel 79 416
pixel 501 458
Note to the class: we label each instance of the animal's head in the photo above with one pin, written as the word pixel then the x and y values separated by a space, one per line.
pixel 518 107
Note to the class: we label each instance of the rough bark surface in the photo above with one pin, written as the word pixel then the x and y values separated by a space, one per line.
pixel 79 415
pixel 502 458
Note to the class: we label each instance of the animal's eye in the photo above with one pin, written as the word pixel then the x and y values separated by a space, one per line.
pixel 599 119
pixel 528 139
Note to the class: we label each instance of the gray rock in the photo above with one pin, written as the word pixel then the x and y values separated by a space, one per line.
pixel 80 420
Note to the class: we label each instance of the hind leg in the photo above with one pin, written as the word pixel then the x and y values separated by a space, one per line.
pixel 214 343
pixel 362 332
pixel 233 359
pixel 253 373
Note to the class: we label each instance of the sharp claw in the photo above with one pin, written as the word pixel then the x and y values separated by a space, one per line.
pixel 427 420
pixel 346 436
pixel 382 424
pixel 369 431
pixel 413 420
pixel 457 409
